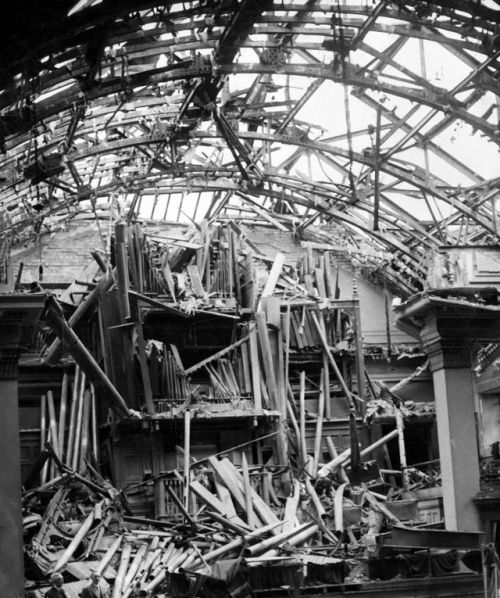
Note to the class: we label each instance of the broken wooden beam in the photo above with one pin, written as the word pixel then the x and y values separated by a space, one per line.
pixel 56 320
pixel 274 274
pixel 54 352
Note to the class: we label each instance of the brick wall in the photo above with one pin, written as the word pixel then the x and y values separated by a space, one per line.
pixel 63 255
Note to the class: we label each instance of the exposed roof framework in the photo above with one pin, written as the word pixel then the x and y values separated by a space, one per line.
pixel 382 117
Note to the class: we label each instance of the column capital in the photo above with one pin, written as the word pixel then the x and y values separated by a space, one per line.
pixel 446 347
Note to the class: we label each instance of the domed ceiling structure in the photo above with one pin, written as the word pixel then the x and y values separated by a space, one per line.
pixel 375 122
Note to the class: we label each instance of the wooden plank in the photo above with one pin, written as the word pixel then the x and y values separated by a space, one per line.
pixel 304 325
pixel 302 420
pixel 320 281
pixel 196 285
pixel 251 519
pixel 62 415
pixel 227 478
pixel 272 307
pixel 267 359
pixel 285 329
pixel 401 444
pixel 314 333
pixel 94 426
pixel 167 273
pixel 329 280
pixel 143 364
pixel 72 417
pixel 78 428
pixel 53 423
pixel 358 338
pixel 205 253
pixel 214 503
pixel 84 444
pixel 225 497
pixel 236 267
pixel 187 452
pixel 334 365
pixel 308 281
pixel 177 357
pixel 122 269
pixel 293 420
pixel 262 509
pixel 265 394
pixel 294 320
pixel 291 506
pixel 43 435
pixel 309 260
pixel 54 352
pixel 246 368
pixel 132 259
pixel 328 400
pixel 274 274
pixel 255 367
pixel 319 424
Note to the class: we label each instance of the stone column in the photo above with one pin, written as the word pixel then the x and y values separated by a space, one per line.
pixel 11 536
pixel 449 348
pixel 18 314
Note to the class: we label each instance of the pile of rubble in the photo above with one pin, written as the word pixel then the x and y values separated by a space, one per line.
pixel 222 526
pixel 224 538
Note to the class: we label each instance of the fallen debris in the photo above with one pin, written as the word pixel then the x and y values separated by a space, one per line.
pixel 282 350
pixel 323 524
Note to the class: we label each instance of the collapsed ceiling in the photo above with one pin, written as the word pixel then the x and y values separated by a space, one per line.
pixel 374 122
